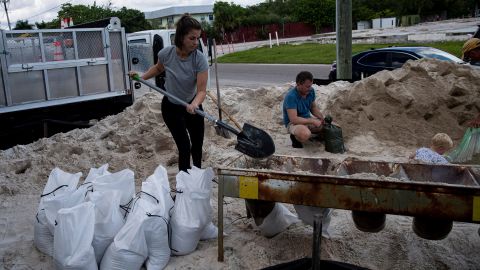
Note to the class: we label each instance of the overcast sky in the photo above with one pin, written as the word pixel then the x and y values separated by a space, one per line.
pixel 46 10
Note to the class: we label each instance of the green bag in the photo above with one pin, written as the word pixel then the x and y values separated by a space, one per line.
pixel 333 137
pixel 468 148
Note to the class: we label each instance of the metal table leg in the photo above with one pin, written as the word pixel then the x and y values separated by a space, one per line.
pixel 220 218
pixel 317 241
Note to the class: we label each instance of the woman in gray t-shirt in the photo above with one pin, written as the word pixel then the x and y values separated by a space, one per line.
pixel 186 75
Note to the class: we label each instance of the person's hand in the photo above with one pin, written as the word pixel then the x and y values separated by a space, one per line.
pixel 131 74
pixel 475 123
pixel 317 122
pixel 191 108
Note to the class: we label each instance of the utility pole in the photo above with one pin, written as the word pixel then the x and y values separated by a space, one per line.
pixel 344 39
pixel 6 11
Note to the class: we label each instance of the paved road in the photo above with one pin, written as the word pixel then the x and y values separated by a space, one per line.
pixel 257 75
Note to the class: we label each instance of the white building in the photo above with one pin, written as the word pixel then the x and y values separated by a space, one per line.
pixel 384 23
pixel 361 25
pixel 167 17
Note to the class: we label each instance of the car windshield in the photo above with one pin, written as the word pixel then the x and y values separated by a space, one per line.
pixel 438 54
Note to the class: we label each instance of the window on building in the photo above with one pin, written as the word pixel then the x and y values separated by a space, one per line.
pixel 210 17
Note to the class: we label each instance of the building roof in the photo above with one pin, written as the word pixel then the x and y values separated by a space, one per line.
pixel 178 10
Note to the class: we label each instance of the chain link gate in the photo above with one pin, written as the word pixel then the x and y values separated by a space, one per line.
pixel 41 68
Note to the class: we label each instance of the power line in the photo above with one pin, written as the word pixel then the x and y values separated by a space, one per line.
pixel 43 12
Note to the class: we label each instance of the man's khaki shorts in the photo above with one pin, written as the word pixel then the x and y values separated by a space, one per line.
pixel 292 128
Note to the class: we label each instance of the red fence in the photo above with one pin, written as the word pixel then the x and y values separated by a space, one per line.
pixel 254 33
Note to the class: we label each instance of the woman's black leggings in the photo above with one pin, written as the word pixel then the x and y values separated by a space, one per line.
pixel 187 131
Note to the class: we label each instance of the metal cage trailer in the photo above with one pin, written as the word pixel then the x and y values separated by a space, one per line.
pixel 53 80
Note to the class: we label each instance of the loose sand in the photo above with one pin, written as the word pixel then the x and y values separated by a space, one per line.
pixel 383 117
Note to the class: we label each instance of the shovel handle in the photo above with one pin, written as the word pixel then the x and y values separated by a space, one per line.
pixel 185 104
pixel 228 115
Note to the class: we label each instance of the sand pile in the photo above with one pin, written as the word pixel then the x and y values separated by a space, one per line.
pixel 383 117
pixel 411 104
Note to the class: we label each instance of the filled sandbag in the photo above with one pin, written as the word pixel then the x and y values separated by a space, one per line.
pixel 209 232
pixel 307 213
pixel 58 184
pixel 129 249
pixel 144 237
pixel 333 136
pixel 108 219
pixel 156 227
pixel 118 258
pixel 94 173
pixel 278 220
pixel 123 181
pixel 42 237
pixel 192 211
pixel 72 248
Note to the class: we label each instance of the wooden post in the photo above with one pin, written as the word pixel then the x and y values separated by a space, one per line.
pixel 344 39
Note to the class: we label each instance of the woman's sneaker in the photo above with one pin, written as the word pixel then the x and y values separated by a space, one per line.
pixel 295 142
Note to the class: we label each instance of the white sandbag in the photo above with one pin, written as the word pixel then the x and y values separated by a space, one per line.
pixel 160 189
pixel 120 259
pixel 72 248
pixel 42 237
pixel 277 221
pixel 145 234
pixel 129 249
pixel 94 173
pixel 122 181
pixel 209 232
pixel 192 211
pixel 156 235
pixel 156 225
pixel 306 214
pixel 58 183
pixel 65 200
pixel 108 219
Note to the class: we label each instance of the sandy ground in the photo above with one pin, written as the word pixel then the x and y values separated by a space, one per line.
pixel 384 117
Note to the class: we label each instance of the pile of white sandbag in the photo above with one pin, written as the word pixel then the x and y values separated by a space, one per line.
pixel 103 224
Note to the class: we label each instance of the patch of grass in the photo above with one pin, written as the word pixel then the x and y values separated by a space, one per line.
pixel 314 53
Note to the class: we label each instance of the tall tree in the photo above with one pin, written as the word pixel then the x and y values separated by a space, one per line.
pixel 227 16
pixel 316 12
pixel 83 14
pixel 133 20
pixel 22 25
pixel 55 23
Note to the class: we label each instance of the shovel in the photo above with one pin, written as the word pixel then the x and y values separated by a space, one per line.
pixel 220 131
pixel 251 141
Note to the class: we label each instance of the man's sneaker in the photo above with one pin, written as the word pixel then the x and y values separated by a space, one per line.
pixel 295 142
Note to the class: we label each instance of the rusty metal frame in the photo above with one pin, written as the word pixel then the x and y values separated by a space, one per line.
pixel 431 199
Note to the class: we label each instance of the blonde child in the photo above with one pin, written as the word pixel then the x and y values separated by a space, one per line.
pixel 441 143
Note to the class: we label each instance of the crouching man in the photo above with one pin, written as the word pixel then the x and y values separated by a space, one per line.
pixel 301 115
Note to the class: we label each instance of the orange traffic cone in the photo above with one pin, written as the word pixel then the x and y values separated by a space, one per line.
pixel 57 54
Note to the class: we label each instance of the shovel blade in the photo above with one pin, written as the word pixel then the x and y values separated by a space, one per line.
pixel 254 142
